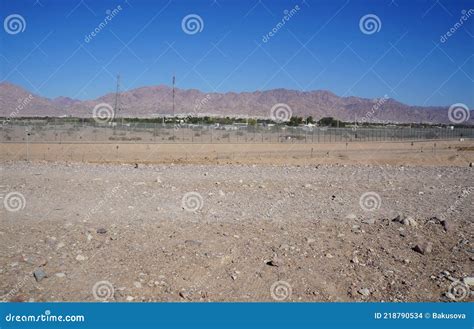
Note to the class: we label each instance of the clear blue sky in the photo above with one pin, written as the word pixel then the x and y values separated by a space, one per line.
pixel 319 47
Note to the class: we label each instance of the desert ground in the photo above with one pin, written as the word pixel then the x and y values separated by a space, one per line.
pixel 237 222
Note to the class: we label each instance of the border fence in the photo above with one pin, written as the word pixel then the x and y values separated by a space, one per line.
pixel 92 132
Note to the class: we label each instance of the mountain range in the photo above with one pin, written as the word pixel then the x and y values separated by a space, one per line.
pixel 153 101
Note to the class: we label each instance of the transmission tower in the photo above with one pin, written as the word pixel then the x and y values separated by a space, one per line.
pixel 117 98
pixel 174 80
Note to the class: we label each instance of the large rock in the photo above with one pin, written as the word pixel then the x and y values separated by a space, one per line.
pixel 39 275
pixel 424 248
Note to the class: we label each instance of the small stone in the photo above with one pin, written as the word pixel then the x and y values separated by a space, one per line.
pixel 410 221
pixel 310 240
pixel 39 275
pixel 364 292
pixel 101 230
pixel 130 298
pixel 446 225
pixel 355 260
pixel 328 255
pixel 285 247
pixel 398 219
pixel 35 260
pixel 469 280
pixel 274 262
pixel 137 284
pixel 184 294
pixel 80 258
pixel 450 296
pixel 452 279
pixel 351 217
pixel 192 243
pixel 356 229
pixel 471 164
pixel 60 275
pixel 233 277
pixel 424 248
pixel 369 221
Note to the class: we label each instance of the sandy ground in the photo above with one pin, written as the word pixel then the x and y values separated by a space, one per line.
pixel 434 153
pixel 239 232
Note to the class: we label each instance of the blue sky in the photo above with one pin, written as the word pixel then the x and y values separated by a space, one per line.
pixel 320 47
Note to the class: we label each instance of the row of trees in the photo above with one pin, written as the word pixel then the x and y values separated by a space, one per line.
pixel 207 120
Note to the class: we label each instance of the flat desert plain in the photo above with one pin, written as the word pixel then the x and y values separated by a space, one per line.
pixel 147 222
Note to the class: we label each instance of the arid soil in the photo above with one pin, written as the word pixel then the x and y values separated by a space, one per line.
pixel 236 232
pixel 425 153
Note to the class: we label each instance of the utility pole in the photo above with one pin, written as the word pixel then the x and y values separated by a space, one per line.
pixel 117 98
pixel 27 131
pixel 174 80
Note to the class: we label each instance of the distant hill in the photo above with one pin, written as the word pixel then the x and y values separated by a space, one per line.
pixel 154 101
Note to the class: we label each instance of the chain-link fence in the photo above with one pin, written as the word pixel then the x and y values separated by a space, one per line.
pixel 91 132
